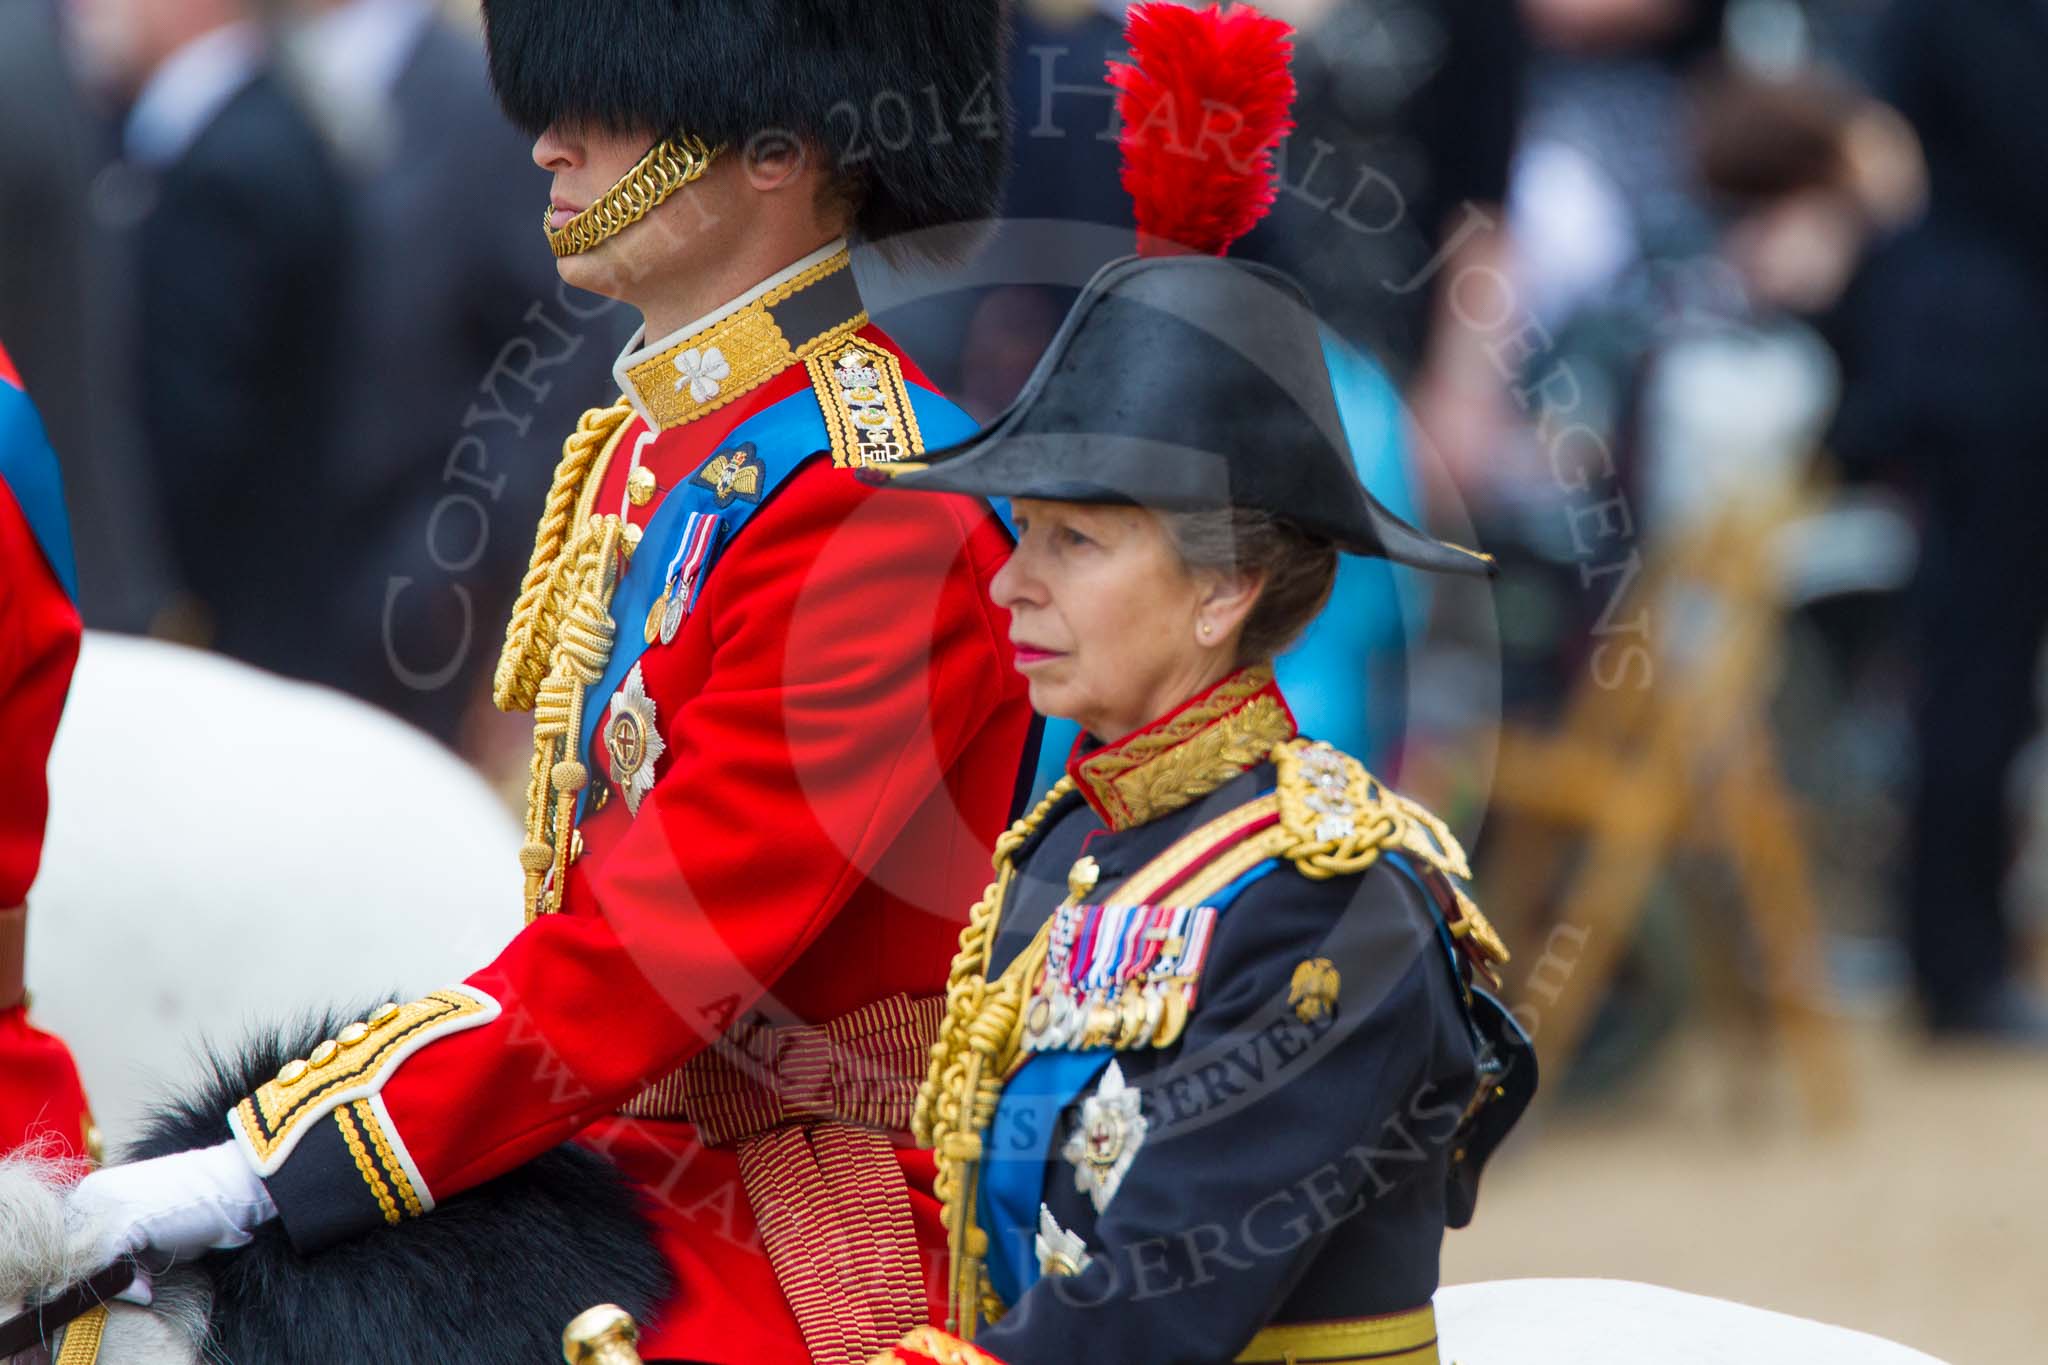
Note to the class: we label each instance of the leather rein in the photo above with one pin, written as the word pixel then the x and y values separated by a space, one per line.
pixel 37 1325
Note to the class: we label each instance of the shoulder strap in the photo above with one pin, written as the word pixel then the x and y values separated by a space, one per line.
pixel 875 416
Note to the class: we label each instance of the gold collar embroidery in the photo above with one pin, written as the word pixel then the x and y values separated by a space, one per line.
pixel 684 378
pixel 1184 756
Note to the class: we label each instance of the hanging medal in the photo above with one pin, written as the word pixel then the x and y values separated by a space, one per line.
pixel 685 569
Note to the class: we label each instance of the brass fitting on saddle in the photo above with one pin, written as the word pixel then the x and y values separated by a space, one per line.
pixel 604 1335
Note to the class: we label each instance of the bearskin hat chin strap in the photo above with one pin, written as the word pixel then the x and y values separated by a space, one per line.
pixel 671 164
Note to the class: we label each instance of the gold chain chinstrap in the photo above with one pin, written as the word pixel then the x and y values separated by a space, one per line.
pixel 669 165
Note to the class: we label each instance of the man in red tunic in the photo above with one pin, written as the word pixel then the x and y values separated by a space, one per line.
pixel 776 726
pixel 41 1100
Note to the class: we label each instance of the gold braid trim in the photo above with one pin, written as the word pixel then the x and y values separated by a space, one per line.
pixel 83 1337
pixel 1168 766
pixel 530 638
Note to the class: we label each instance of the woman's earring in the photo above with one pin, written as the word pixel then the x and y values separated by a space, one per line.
pixel 1205 630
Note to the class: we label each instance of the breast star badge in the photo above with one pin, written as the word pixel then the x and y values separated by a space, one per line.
pixel 1106 1142
pixel 1313 992
pixel 633 740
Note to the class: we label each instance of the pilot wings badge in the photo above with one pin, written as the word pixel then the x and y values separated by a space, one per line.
pixel 735 473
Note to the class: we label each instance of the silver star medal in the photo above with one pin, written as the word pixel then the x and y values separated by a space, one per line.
pixel 1059 1252
pixel 633 740
pixel 1103 1146
pixel 672 613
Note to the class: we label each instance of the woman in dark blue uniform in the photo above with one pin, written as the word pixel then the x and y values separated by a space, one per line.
pixel 1219 1065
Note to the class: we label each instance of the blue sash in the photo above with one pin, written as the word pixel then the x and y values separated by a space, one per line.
pixel 29 469
pixel 784 437
pixel 1018 1149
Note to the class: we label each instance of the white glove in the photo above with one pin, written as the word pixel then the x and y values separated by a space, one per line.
pixel 179 1205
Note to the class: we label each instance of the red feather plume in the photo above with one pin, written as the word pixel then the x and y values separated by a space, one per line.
pixel 1204 98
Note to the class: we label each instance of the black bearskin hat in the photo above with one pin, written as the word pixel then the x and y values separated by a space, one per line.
pixel 909 97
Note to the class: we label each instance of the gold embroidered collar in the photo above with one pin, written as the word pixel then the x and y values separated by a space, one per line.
pixel 1186 754
pixel 781 322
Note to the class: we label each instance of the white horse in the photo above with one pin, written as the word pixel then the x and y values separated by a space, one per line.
pixel 1504 1322
pixel 227 849
pixel 40 1254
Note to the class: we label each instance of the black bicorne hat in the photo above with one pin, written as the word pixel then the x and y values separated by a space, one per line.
pixel 910 94
pixel 1183 380
pixel 1187 383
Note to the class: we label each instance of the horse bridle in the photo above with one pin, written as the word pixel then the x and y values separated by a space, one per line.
pixel 37 1325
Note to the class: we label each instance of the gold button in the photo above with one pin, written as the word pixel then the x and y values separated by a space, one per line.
pixel 353 1034
pixel 575 845
pixel 631 535
pixel 292 1073
pixel 1081 878
pixel 383 1014
pixel 640 485
pixel 324 1054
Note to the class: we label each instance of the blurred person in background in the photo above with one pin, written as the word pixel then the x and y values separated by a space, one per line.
pixel 1612 241
pixel 1606 190
pixel 1944 340
pixel 459 360
pixel 61 294
pixel 238 257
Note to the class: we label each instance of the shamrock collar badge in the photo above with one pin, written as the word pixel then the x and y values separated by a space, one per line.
pixel 702 372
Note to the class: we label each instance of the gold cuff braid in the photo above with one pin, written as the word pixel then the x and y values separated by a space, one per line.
pixel 669 165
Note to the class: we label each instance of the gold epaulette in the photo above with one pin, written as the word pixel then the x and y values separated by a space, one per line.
pixel 535 627
pixel 1339 818
pixel 1336 819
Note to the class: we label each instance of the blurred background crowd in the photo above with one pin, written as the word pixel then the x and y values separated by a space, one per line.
pixel 1719 322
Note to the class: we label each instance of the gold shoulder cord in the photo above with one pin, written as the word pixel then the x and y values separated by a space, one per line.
pixel 978 1039
pixel 558 643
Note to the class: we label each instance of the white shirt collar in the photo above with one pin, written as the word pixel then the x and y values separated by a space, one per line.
pixel 639 350
pixel 188 90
